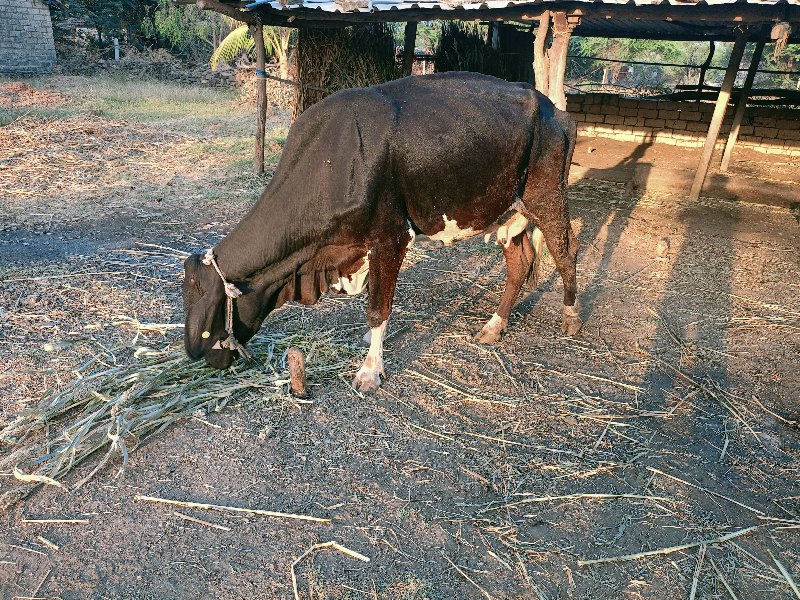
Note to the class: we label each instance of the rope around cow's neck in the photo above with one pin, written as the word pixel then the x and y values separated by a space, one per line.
pixel 231 292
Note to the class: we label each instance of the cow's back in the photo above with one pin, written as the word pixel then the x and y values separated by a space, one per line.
pixel 461 141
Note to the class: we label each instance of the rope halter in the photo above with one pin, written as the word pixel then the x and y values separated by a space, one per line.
pixel 231 293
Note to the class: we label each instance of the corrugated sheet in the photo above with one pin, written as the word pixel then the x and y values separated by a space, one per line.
pixel 359 6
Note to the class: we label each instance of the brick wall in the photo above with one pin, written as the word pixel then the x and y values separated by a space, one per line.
pixel 26 37
pixel 768 130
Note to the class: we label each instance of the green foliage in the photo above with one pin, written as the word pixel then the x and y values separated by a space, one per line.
pixel 237 42
pixel 653 77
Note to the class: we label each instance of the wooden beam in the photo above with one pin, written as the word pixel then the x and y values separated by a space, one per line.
pixel 257 31
pixel 228 10
pixel 719 114
pixel 562 31
pixel 740 106
pixel 704 67
pixel 409 43
pixel 541 62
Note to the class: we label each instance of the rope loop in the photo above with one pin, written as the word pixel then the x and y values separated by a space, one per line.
pixel 232 292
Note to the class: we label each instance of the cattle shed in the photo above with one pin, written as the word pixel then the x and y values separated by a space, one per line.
pixel 721 122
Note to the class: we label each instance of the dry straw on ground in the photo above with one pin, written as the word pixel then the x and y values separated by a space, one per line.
pixel 114 409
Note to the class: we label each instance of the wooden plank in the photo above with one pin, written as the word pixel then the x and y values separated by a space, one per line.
pixel 719 114
pixel 740 106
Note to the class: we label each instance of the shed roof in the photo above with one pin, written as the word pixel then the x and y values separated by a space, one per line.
pixel 653 19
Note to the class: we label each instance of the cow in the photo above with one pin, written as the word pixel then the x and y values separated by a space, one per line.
pixel 363 172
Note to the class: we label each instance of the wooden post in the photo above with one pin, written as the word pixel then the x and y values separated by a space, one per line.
pixel 719 114
pixel 257 31
pixel 409 42
pixel 541 62
pixel 740 105
pixel 704 68
pixel 562 31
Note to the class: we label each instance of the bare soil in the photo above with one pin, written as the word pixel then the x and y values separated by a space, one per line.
pixel 475 472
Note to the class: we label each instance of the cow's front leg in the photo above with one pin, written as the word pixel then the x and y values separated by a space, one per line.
pixel 518 253
pixel 384 267
pixel 368 377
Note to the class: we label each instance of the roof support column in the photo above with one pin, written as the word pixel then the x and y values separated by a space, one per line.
pixel 741 104
pixel 719 114
pixel 562 32
pixel 541 58
pixel 409 42
pixel 257 31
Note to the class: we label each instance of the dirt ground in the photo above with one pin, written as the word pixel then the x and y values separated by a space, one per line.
pixel 474 472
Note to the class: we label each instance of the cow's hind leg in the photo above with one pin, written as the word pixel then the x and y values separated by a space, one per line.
pixel 384 267
pixel 563 246
pixel 519 263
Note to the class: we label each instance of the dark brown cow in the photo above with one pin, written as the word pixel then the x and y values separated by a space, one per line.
pixel 364 171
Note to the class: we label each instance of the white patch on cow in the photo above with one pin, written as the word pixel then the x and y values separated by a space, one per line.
pixel 368 377
pixel 452 232
pixel 355 283
pixel 411 234
pixel 571 311
pixel 511 228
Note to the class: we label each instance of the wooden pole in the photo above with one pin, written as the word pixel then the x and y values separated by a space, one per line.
pixel 740 106
pixel 704 68
pixel 409 42
pixel 562 31
pixel 257 31
pixel 541 62
pixel 719 114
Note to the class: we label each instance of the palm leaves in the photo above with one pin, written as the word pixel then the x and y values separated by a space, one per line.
pixel 240 41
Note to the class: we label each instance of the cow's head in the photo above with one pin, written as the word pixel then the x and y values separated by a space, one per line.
pixel 204 304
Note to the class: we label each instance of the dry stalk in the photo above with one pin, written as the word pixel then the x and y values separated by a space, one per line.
pixel 707 491
pixel 236 509
pixel 722 578
pixel 321 546
pixel 670 549
pixel 180 515
pixel 785 572
pixel 461 572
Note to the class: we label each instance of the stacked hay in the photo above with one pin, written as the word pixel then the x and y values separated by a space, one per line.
pixel 334 59
pixel 466 47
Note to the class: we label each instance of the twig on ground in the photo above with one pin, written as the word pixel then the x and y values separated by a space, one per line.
pixel 669 550
pixel 707 491
pixel 314 548
pixel 461 572
pixel 180 515
pixel 722 578
pixel 785 572
pixel 251 511
pixel 695 580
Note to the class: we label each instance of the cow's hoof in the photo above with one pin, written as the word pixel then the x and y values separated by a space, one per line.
pixel 367 380
pixel 571 323
pixel 488 335
pixel 493 330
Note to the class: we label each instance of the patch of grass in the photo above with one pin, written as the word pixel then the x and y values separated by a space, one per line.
pixel 8 115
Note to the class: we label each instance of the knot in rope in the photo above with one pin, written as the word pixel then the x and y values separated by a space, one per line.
pixel 232 292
